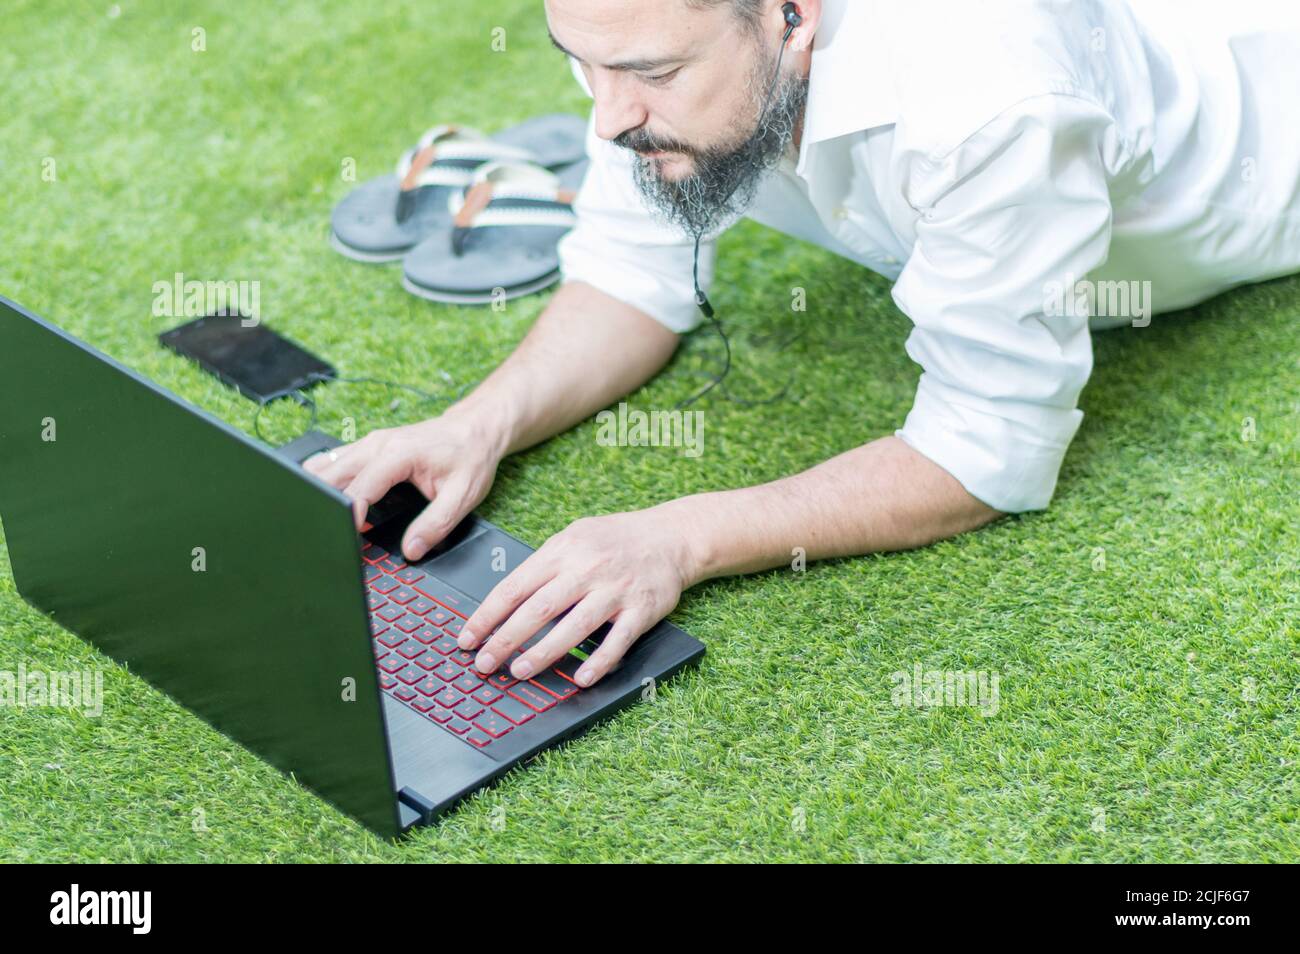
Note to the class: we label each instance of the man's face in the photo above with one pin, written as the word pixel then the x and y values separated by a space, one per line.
pixel 684 89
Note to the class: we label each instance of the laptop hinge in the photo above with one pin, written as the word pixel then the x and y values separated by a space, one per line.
pixel 414 799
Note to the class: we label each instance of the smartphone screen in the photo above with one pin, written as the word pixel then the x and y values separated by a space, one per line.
pixel 261 364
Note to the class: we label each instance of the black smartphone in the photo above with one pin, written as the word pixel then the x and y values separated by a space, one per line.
pixel 247 355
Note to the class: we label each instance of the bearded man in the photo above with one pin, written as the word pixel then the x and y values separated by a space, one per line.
pixel 1008 165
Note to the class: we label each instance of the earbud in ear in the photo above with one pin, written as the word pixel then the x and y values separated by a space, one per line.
pixel 792 15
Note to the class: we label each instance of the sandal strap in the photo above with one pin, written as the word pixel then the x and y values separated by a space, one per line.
pixel 510 194
pixel 447 156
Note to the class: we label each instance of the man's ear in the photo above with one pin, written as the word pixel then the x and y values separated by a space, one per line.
pixel 811 12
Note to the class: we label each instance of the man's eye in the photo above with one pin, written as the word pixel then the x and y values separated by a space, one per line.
pixel 663 78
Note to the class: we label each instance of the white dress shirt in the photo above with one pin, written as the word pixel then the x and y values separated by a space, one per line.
pixel 987 158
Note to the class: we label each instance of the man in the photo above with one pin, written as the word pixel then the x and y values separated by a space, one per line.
pixel 1008 164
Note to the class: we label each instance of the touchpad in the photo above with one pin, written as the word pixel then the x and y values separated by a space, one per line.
pixel 478 564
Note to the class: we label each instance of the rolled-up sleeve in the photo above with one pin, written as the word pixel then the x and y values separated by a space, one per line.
pixel 621 249
pixel 1016 212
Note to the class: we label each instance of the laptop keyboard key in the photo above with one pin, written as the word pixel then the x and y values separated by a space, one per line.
pixel 513 710
pixel 568 666
pixel 532 696
pixel 420 605
pixel 493 724
pixel 555 684
pixel 477 737
pixel 448 672
pixel 411 675
pixel 426 634
pixel 403 595
pixel 467 709
pixel 428 686
pixel 392 663
pixel 438 616
pixel 486 695
pixel 428 660
pixel 410 575
pixel 448 697
pixel 468 683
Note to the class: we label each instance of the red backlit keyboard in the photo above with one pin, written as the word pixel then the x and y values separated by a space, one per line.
pixel 414 620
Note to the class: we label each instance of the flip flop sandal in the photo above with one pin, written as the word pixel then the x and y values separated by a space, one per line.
pixel 503 236
pixel 383 219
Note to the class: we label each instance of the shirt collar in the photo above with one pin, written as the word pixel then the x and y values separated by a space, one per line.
pixel 850 79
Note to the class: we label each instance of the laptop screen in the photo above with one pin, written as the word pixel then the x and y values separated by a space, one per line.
pixel 219 572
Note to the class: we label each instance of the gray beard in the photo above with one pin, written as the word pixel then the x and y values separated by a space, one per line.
pixel 725 179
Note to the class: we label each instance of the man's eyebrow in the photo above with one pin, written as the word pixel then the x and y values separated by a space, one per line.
pixel 627 66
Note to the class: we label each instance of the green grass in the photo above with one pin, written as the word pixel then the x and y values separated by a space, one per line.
pixel 1126 689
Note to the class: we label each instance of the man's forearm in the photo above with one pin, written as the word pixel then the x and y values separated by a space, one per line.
pixel 882 496
pixel 586 350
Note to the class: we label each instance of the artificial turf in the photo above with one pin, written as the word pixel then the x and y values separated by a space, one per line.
pixel 1143 628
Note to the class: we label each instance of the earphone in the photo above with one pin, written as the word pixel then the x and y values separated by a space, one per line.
pixel 792 19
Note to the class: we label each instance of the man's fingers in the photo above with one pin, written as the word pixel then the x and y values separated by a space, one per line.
pixel 505 597
pixel 375 480
pixel 548 602
pixel 435 521
pixel 627 629
pixel 583 620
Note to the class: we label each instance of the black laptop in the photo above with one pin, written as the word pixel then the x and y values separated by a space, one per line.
pixel 236 582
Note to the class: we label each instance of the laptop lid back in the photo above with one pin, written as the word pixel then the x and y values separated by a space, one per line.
pixel 221 573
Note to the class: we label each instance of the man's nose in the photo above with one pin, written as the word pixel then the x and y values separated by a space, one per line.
pixel 617 107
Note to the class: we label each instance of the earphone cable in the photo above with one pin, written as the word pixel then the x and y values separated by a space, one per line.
pixel 702 301
pixel 304 400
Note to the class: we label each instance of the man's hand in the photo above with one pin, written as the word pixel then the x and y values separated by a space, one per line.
pixel 630 568
pixel 452 461
pixel 626 568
